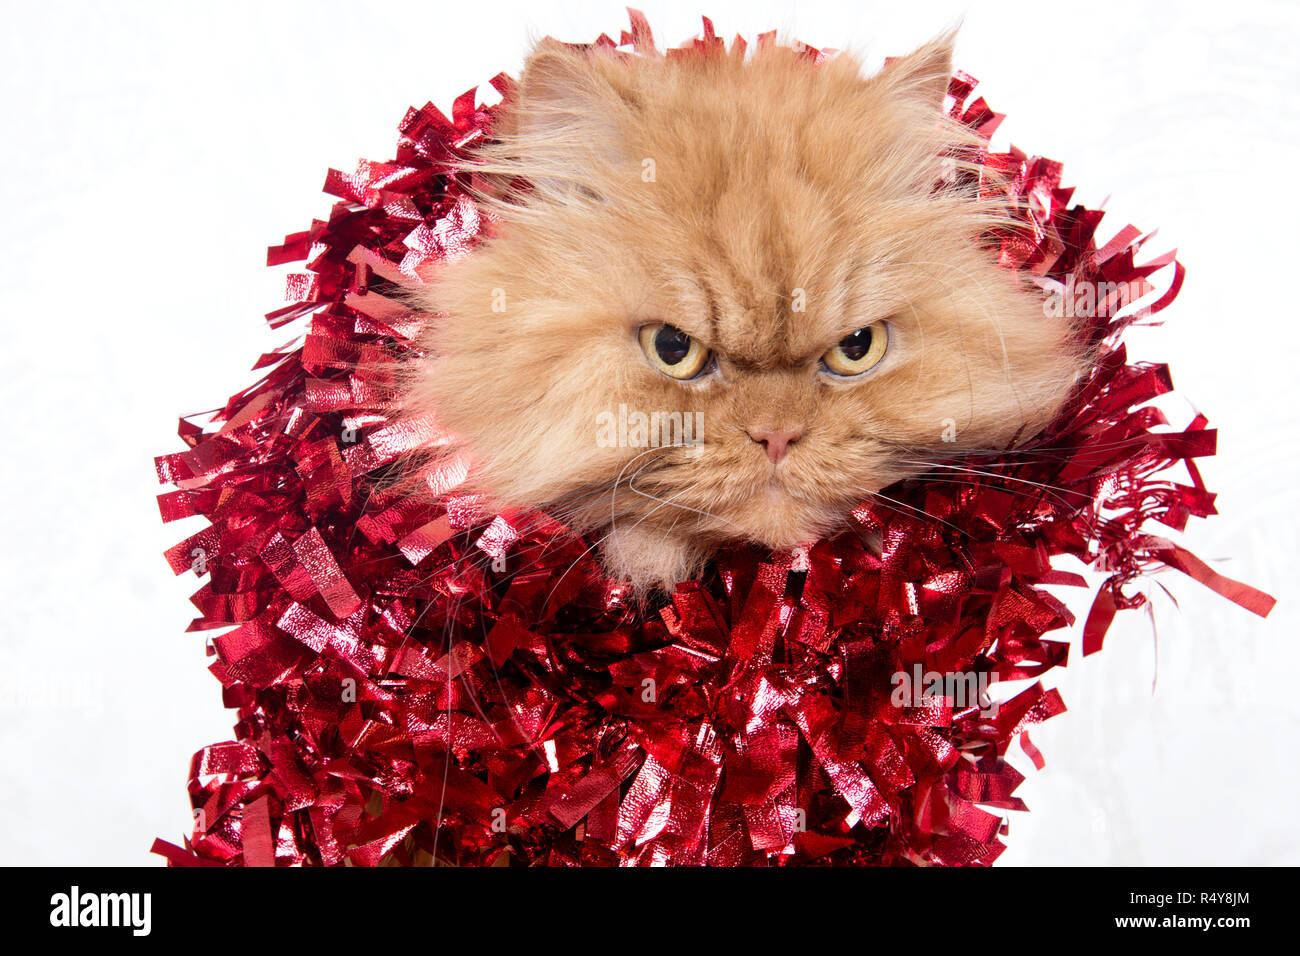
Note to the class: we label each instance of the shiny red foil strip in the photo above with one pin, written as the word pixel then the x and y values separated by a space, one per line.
pixel 419 681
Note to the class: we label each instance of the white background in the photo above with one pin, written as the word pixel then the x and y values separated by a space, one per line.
pixel 149 152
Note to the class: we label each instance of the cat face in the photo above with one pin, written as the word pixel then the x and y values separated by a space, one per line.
pixel 731 303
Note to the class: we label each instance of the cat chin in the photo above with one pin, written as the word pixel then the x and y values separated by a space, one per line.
pixel 650 557
pixel 647 558
pixel 780 522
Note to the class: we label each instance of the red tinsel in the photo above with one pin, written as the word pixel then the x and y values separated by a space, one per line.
pixel 419 681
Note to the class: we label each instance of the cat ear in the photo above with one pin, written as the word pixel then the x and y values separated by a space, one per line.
pixel 568 117
pixel 560 77
pixel 923 74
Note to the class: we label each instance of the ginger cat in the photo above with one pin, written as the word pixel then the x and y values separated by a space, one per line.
pixel 783 255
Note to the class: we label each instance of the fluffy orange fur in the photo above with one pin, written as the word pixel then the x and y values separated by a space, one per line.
pixel 767 207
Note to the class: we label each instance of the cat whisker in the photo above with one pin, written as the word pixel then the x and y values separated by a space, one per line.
pixel 963 469
pixel 619 478
pixel 698 511
pixel 914 510
pixel 1046 452
pixel 593 545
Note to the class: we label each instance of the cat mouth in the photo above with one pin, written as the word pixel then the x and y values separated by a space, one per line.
pixel 789 513
pixel 779 486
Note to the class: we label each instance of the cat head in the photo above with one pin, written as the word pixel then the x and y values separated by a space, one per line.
pixel 728 299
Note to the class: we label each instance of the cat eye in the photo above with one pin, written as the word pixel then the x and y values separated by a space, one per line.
pixel 673 352
pixel 858 353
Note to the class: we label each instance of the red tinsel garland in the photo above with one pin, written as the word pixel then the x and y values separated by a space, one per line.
pixel 417 680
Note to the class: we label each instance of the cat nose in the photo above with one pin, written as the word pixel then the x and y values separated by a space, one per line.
pixel 775 441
